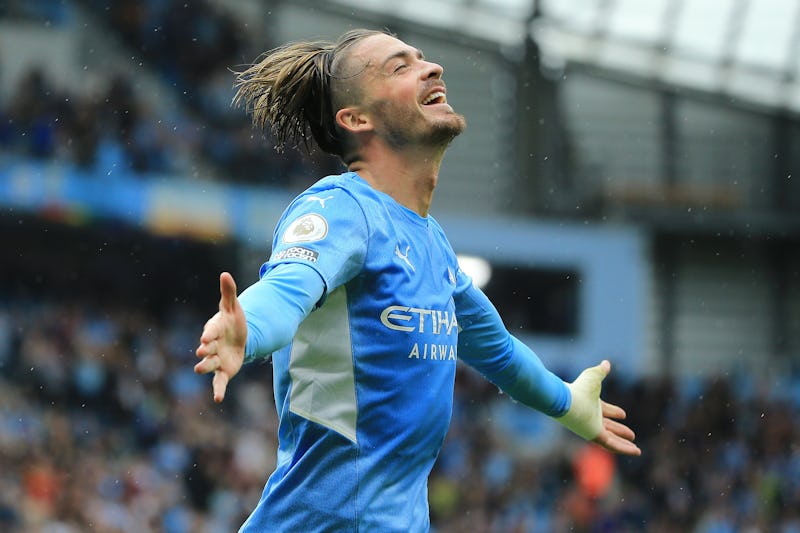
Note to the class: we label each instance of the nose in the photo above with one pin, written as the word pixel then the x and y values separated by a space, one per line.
pixel 432 70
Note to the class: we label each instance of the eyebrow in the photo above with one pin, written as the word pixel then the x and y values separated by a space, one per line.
pixel 404 53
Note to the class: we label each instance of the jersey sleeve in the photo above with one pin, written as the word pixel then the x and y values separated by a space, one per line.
pixel 275 306
pixel 326 230
pixel 485 344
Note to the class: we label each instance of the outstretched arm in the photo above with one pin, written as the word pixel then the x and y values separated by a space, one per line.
pixel 485 344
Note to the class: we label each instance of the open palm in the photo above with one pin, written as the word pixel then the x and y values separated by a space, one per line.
pixel 223 339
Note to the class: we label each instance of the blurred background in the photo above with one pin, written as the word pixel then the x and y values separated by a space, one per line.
pixel 627 188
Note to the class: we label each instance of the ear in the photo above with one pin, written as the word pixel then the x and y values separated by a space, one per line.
pixel 353 120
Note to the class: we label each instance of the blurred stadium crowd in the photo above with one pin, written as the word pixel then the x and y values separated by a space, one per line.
pixel 115 129
pixel 105 428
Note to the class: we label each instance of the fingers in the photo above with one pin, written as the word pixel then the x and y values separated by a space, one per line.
pixel 619 429
pixel 617 444
pixel 208 340
pixel 212 329
pixel 612 411
pixel 220 383
pixel 227 290
pixel 617 438
pixel 207 348
pixel 622 446
pixel 212 336
pixel 209 363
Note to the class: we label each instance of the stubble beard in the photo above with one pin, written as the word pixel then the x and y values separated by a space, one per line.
pixel 404 127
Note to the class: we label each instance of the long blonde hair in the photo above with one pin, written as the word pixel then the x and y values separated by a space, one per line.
pixel 296 89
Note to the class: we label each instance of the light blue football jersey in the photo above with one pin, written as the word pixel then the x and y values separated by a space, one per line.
pixel 364 391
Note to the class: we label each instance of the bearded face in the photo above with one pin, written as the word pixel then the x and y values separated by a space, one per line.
pixel 402 125
pixel 404 94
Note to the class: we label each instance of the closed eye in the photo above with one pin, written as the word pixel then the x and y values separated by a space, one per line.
pixel 400 59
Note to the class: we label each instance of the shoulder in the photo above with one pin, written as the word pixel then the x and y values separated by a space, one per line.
pixel 342 195
pixel 329 203
pixel 325 194
pixel 331 191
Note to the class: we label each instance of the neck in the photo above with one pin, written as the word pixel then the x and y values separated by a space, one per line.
pixel 408 176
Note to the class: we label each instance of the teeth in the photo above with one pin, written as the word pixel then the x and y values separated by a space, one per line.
pixel 432 97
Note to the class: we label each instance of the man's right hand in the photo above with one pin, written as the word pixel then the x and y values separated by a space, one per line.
pixel 222 343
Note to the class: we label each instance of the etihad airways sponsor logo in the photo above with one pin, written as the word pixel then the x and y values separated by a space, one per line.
pixel 402 318
pixel 433 352
pixel 431 321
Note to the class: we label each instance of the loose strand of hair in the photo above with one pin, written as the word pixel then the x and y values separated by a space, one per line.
pixel 277 91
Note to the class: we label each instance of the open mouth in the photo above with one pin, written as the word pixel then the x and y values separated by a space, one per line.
pixel 436 97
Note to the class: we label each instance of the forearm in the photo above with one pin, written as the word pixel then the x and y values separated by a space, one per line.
pixel 519 372
pixel 485 344
pixel 528 381
pixel 275 306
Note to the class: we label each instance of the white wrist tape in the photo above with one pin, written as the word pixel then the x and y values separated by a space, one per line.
pixel 585 415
